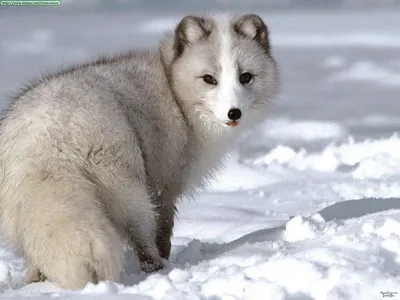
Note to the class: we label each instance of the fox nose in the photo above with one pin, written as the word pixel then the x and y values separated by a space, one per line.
pixel 234 114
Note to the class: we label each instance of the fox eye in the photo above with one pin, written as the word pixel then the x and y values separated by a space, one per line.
pixel 245 77
pixel 209 79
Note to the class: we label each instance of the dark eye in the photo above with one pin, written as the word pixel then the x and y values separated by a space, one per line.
pixel 209 79
pixel 245 78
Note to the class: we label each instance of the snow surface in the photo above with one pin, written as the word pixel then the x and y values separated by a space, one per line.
pixel 308 207
pixel 288 231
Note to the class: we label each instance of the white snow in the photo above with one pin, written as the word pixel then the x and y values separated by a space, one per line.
pixel 369 72
pixel 374 120
pixel 366 159
pixel 158 25
pixel 37 42
pixel 288 130
pixel 334 62
pixel 228 244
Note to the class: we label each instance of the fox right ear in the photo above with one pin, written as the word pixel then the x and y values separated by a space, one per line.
pixel 189 31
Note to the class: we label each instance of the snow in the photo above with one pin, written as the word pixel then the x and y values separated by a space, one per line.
pixel 367 159
pixel 228 244
pixel 308 130
pixel 307 207
pixel 370 72
pixel 334 61
pixel 356 39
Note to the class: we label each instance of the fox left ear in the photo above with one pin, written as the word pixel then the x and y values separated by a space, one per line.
pixel 252 26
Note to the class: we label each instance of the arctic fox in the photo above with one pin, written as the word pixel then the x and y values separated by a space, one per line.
pixel 95 157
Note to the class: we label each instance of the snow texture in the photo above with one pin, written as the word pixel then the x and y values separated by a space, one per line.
pixel 266 239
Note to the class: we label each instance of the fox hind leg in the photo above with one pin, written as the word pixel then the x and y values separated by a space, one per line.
pixel 68 237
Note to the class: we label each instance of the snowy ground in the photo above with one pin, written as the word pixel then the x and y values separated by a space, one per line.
pixel 307 208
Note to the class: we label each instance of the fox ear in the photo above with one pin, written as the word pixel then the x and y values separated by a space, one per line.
pixel 252 26
pixel 189 31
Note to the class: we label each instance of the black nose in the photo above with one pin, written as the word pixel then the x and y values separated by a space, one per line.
pixel 234 114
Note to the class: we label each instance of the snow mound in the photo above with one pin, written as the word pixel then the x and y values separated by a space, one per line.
pixel 375 121
pixel 157 26
pixel 312 259
pixel 367 159
pixel 287 130
pixel 37 42
pixel 334 62
pixel 236 177
pixel 367 71
pixel 300 228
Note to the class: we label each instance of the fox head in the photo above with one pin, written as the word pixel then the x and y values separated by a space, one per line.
pixel 221 70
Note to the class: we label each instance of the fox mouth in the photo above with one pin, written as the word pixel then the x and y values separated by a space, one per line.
pixel 232 123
